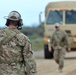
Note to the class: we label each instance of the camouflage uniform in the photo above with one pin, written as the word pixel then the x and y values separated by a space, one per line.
pixel 10 54
pixel 59 43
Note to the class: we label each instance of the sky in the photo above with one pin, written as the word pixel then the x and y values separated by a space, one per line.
pixel 29 10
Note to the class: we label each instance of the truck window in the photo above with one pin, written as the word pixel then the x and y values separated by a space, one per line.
pixel 70 17
pixel 55 17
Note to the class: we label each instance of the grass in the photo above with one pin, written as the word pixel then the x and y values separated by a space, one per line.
pixel 36 41
pixel 37 45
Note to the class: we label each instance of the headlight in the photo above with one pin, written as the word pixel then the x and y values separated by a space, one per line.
pixel 48 40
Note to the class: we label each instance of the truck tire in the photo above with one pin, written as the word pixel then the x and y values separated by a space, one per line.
pixel 47 54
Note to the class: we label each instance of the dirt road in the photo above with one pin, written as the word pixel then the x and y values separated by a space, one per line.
pixel 49 67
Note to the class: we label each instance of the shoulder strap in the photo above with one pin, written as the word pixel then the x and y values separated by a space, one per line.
pixel 9 36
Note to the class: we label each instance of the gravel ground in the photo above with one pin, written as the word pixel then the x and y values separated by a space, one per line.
pixel 72 72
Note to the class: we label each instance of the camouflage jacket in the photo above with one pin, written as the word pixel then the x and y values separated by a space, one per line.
pixel 60 38
pixel 11 51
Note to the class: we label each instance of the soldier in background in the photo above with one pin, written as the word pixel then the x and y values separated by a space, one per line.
pixel 59 42
pixel 16 57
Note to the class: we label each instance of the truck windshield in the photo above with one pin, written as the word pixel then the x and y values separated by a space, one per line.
pixel 70 17
pixel 55 17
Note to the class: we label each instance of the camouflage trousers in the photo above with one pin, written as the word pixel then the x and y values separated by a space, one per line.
pixel 59 55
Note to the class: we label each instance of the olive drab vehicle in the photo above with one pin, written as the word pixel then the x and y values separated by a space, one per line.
pixel 64 13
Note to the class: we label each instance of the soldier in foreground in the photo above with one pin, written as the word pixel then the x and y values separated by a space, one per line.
pixel 59 42
pixel 16 57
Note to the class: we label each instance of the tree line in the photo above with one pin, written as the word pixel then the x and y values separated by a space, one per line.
pixel 33 30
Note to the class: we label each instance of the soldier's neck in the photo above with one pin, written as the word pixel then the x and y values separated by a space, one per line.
pixel 12 26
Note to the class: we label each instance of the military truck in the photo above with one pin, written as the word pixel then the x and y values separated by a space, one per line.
pixel 64 13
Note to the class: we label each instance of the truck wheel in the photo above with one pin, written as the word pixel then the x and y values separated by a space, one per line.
pixel 47 54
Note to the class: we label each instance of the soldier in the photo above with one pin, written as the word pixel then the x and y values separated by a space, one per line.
pixel 59 42
pixel 16 56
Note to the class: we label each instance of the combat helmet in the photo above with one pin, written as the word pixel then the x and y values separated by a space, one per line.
pixel 14 16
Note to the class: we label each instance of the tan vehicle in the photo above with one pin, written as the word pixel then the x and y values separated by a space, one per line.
pixel 63 13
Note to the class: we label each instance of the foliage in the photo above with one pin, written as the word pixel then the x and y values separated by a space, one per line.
pixel 33 30
pixel 35 34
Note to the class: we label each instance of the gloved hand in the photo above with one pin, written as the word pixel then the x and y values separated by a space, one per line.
pixel 69 49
